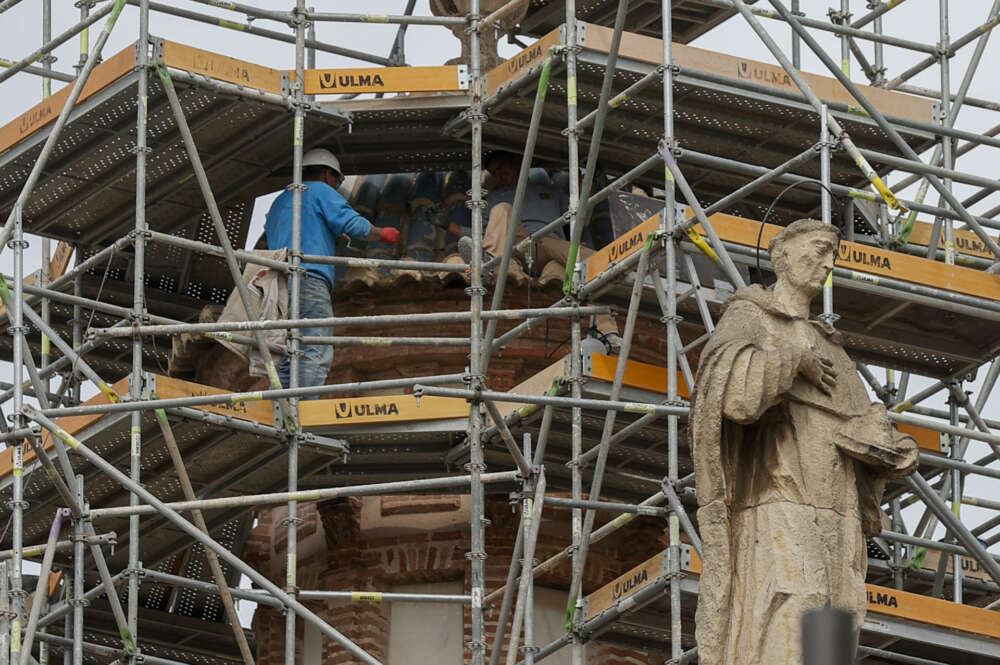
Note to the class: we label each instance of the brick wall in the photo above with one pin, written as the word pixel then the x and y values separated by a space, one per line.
pixel 348 560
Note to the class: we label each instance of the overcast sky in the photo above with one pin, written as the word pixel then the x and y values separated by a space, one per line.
pixel 20 33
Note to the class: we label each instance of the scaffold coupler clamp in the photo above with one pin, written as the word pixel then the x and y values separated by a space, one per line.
pixel 138 572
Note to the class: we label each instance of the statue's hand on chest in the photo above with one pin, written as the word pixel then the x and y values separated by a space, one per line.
pixel 827 378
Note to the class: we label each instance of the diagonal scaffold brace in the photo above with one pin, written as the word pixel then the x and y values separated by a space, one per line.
pixel 191 530
pixel 220 228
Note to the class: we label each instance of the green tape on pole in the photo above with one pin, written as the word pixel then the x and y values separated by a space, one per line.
pixel 904 233
pixel 574 251
pixel 119 5
pixel 570 609
pixel 918 558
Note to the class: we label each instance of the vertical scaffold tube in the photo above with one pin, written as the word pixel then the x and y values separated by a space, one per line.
pixel 946 142
pixel 78 580
pixel 477 540
pixel 18 503
pixel 138 310
pixel 673 336
pixel 825 206
pixel 295 335
pixel 576 415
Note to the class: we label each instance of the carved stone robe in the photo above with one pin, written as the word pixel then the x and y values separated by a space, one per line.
pixel 789 482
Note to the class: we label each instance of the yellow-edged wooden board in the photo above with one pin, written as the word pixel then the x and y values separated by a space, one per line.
pixel 48 110
pixel 381 409
pixel 386 79
pixel 259 411
pixel 650 50
pixel 221 67
pixel 507 71
pixel 627 585
pixel 923 609
pixel 866 263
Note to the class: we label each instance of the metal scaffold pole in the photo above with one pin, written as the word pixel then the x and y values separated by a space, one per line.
pixel 477 379
pixel 138 313
pixel 671 320
pixel 292 520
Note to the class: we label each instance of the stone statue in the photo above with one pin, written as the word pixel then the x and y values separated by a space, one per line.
pixel 487 38
pixel 791 459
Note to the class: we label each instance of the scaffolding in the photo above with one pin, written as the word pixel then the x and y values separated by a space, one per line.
pixel 722 139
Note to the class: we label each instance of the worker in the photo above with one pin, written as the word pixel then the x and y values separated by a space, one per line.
pixel 326 215
pixel 543 203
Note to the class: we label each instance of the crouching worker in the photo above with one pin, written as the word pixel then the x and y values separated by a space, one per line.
pixel 326 215
pixel 543 202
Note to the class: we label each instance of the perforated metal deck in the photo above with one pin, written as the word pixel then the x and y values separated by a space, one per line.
pixel 691 18
pixel 221 460
pixel 725 106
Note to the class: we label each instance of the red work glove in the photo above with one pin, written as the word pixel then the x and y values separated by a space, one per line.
pixel 389 234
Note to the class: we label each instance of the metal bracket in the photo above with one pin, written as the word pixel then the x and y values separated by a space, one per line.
pixel 464 80
pixel 945 443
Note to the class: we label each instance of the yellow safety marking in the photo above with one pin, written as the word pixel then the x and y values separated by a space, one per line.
pixel 527 410
pixel 221 335
pixel 383 79
pixel 109 392
pixel 861 194
pixel 232 25
pixel 887 194
pixel 272 375
pixel 893 3
pixel 367 596
pixel 136 441
pixel 85 41
pixel 700 243
pixel 225 4
pixel 829 279
pixel 989 25
pixel 32 551
pixel 67 438
pixel 571 90
pixel 853 109
pixel 902 406
pixel 18 472
pixel 845 66
pixel 375 18
pixel 305 496
pixel 528 503
pixel 623 519
pixel 299 122
pixel 864 277
pixel 675 528
pixel 15 636
pixel 290 570
pixel 639 407
pixel 46 345
pixel 254 396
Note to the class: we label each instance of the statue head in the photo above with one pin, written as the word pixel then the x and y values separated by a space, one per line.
pixel 803 254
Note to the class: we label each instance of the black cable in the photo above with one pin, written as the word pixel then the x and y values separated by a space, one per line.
pixel 767 213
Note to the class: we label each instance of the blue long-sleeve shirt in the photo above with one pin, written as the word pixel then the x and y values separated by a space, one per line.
pixel 326 215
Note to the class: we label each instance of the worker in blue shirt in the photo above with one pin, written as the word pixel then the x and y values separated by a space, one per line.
pixel 326 215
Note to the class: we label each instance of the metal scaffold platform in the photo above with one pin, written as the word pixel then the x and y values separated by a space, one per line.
pixel 139 502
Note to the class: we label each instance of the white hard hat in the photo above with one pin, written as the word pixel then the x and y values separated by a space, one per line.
pixel 322 157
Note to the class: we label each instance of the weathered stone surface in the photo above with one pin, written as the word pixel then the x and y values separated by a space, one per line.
pixel 791 458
